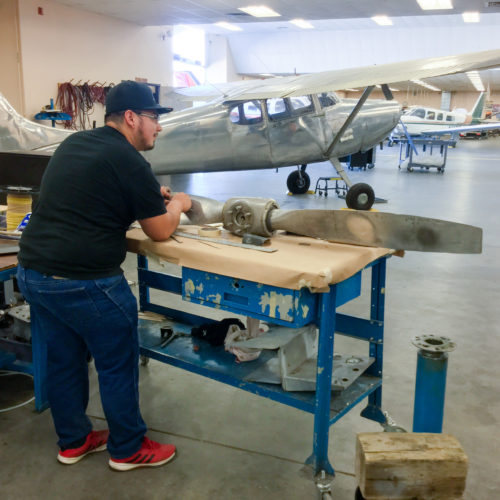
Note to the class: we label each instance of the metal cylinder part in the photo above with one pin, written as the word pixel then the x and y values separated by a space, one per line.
pixel 430 383
pixel 248 215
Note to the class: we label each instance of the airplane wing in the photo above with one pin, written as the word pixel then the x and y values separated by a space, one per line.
pixel 466 128
pixel 325 81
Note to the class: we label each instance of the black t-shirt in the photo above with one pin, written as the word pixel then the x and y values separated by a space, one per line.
pixel 94 187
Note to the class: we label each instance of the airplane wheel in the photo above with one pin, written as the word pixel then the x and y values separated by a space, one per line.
pixel 360 196
pixel 298 182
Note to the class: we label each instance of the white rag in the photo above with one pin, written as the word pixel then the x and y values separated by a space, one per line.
pixel 234 334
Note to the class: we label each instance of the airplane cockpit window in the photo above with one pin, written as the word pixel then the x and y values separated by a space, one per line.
pixel 431 115
pixel 301 105
pixel 326 99
pixel 246 113
pixel 277 109
pixel 440 117
pixel 420 112
pixel 450 118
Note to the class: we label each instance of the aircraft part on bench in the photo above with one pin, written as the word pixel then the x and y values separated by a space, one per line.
pixel 376 229
pixel 295 364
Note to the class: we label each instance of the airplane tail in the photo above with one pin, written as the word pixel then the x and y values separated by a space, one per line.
pixel 19 133
pixel 477 110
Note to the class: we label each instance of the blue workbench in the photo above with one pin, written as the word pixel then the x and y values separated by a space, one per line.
pixel 38 367
pixel 240 296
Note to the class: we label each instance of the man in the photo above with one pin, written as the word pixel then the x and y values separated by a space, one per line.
pixel 94 187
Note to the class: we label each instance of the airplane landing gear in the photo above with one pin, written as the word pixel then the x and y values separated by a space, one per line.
pixel 298 181
pixel 360 196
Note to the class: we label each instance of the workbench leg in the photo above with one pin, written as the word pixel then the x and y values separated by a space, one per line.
pixel 373 410
pixel 39 354
pixel 142 263
pixel 319 458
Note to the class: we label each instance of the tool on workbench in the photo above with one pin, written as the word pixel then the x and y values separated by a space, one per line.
pixel 223 241
pixel 168 335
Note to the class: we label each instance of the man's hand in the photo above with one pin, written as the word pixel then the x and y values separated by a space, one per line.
pixel 166 192
pixel 183 199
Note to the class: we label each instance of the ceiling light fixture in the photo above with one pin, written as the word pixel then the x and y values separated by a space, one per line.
pixel 426 85
pixel 435 4
pixel 301 23
pixel 382 20
pixel 476 80
pixel 470 17
pixel 259 11
pixel 228 26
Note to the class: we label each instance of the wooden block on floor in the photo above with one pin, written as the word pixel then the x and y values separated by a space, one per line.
pixel 410 466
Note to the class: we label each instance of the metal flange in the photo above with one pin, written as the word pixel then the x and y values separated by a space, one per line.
pixel 433 343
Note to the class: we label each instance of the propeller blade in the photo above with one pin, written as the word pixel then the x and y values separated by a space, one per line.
pixel 203 211
pixel 378 229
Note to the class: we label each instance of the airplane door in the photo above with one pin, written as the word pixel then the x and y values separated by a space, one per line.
pixel 296 133
pixel 249 140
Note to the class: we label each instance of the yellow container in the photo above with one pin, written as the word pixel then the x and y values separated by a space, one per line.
pixel 18 205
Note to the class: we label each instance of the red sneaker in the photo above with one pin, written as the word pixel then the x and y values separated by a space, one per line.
pixel 96 441
pixel 151 454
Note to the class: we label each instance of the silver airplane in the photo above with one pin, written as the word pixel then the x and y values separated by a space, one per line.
pixel 272 123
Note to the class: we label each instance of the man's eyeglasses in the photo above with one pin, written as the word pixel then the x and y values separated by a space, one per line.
pixel 153 116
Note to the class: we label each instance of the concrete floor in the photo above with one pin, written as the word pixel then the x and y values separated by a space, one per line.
pixel 234 445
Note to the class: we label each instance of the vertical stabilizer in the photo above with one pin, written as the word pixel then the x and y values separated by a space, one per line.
pixel 477 110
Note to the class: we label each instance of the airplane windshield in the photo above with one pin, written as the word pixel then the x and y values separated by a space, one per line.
pixel 302 104
pixel 327 99
pixel 277 109
pixel 420 112
pixel 246 113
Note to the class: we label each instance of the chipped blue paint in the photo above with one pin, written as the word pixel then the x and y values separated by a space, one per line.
pixel 280 305
pixel 189 288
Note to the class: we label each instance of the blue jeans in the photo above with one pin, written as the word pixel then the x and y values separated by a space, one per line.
pixel 99 316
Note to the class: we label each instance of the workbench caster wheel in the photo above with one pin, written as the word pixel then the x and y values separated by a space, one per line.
pixel 144 360
pixel 410 169
pixel 358 495
pixel 440 169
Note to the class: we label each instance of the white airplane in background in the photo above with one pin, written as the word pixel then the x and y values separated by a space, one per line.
pixel 278 122
pixel 421 120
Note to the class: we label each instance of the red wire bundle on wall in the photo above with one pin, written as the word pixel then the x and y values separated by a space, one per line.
pixel 78 101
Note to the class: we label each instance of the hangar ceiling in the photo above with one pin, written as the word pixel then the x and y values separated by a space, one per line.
pixel 161 12
pixel 328 14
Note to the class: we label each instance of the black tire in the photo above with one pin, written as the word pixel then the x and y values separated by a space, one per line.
pixel 360 196
pixel 298 182
pixel 358 495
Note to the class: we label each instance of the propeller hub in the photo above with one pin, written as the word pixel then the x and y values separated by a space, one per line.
pixel 248 215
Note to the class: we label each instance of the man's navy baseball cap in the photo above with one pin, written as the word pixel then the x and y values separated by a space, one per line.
pixel 132 95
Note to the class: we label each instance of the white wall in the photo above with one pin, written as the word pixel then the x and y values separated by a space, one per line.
pixel 311 51
pixel 67 43
pixel 10 55
pixel 219 66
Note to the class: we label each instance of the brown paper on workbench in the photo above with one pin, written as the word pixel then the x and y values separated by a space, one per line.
pixel 299 261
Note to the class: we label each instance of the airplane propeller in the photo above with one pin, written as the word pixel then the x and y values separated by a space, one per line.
pixel 263 217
